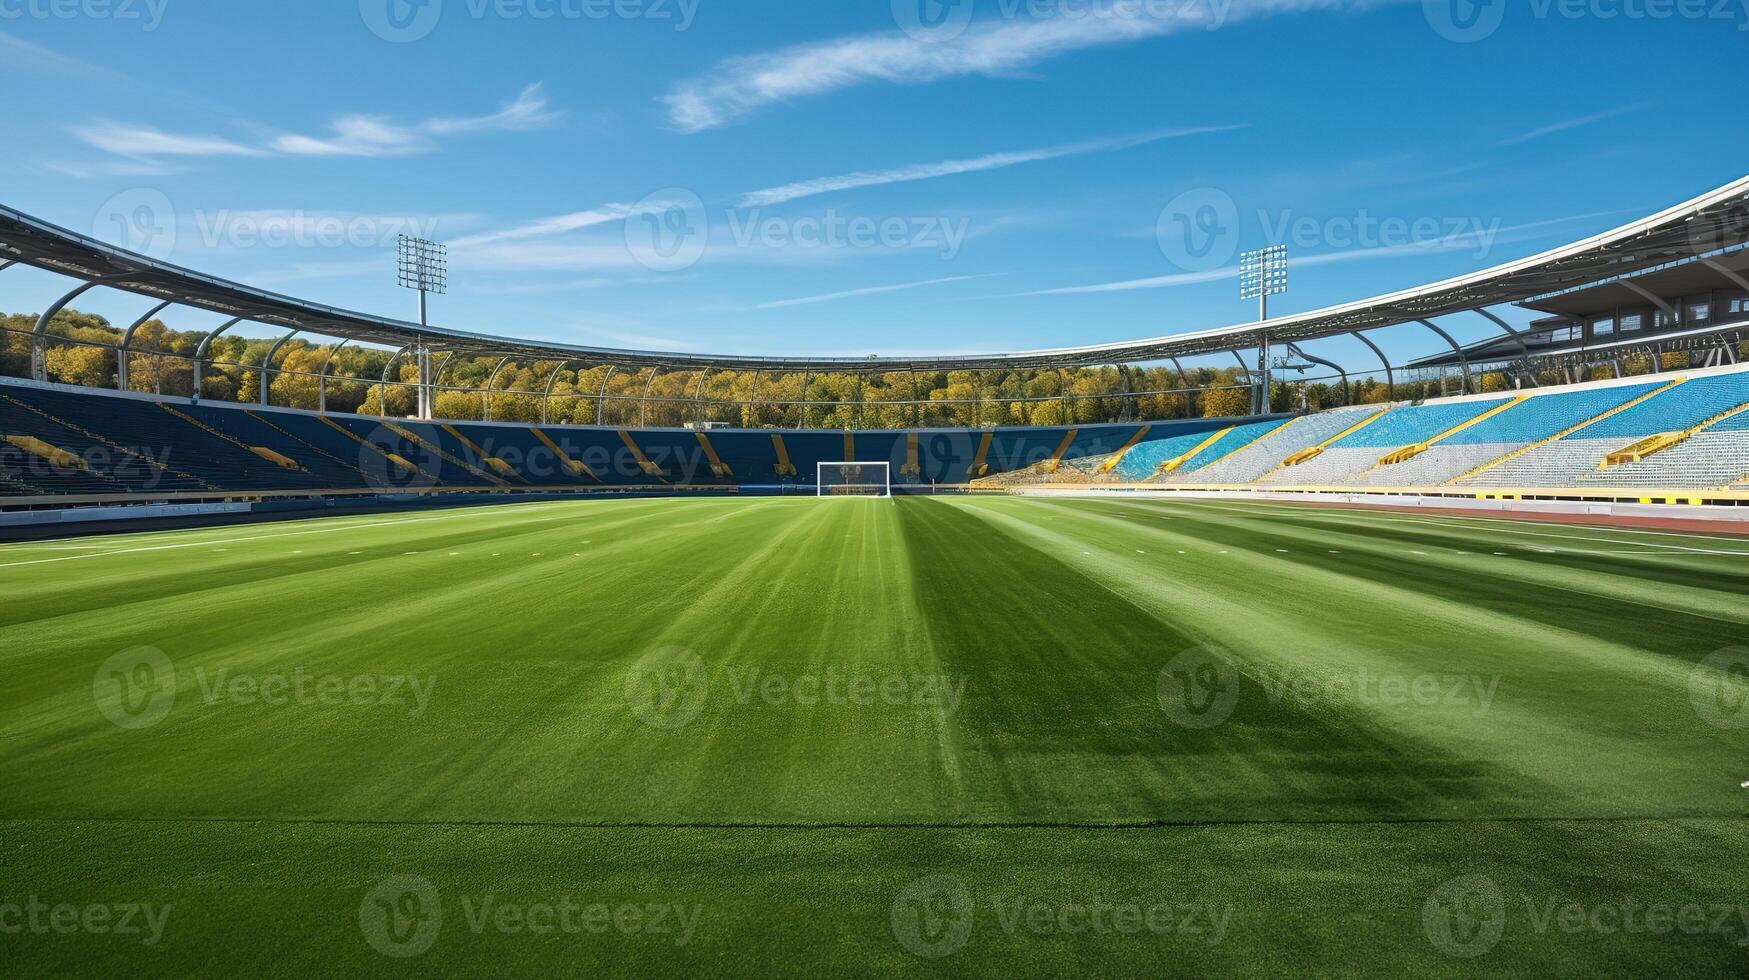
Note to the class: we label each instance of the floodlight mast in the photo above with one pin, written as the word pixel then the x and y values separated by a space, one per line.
pixel 1262 274
pixel 424 266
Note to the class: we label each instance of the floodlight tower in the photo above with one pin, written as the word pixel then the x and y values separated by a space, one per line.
pixel 423 266
pixel 1262 274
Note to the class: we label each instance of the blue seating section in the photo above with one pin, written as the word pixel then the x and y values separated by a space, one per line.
pixel 1736 423
pixel 1690 403
pixel 1144 460
pixel 1415 423
pixel 139 446
pixel 1239 438
pixel 1541 416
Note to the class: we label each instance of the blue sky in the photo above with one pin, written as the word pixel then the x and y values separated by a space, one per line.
pixel 838 178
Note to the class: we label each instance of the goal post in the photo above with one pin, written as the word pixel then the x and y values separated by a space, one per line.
pixel 850 479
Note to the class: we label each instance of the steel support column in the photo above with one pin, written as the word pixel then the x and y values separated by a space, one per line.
pixel 698 399
pixel 1390 376
pixel 601 399
pixel 1250 379
pixel 644 401
pixel 1463 359
pixel 1190 406
pixel 486 392
pixel 548 396
pixel 39 342
pixel 200 353
pixel 1347 396
pixel 322 377
pixel 1523 348
pixel 127 341
pixel 383 399
pixel 267 362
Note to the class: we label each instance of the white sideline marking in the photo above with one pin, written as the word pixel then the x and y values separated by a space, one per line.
pixel 263 537
pixel 1472 524
pixel 1467 522
pixel 1577 537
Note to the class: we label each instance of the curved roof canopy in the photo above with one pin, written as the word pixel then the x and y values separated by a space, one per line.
pixel 1714 220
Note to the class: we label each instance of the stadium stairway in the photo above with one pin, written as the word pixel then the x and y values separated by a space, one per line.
pixel 1712 454
pixel 130 452
pixel 1214 450
pixel 1303 442
pixel 35 471
pixel 567 469
pixel 1570 459
pixel 1342 461
pixel 249 429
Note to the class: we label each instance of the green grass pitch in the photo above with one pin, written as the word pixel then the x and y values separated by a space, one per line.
pixel 799 737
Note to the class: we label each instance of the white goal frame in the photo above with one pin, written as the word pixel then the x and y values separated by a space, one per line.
pixel 882 470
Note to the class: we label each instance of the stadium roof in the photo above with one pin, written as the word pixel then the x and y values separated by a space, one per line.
pixel 1714 220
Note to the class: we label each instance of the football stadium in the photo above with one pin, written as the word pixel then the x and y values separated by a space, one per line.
pixel 1212 687
pixel 339 644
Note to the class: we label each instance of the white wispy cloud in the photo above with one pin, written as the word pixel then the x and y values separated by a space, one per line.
pixel 560 224
pixel 109 168
pixel 141 142
pixel 355 135
pixel 375 136
pixel 947 168
pixel 869 291
pixel 739 86
pixel 1566 124
pixel 1488 238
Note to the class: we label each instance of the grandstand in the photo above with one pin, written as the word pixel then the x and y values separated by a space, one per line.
pixel 1157 658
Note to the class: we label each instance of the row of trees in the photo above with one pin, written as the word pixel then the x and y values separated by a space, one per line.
pixel 82 351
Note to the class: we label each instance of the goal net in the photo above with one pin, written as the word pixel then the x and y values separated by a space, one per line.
pixel 854 479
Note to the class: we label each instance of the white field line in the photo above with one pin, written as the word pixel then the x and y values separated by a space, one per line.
pixel 264 537
pixel 1469 523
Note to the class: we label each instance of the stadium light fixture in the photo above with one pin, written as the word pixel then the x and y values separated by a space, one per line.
pixel 424 266
pixel 1262 274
